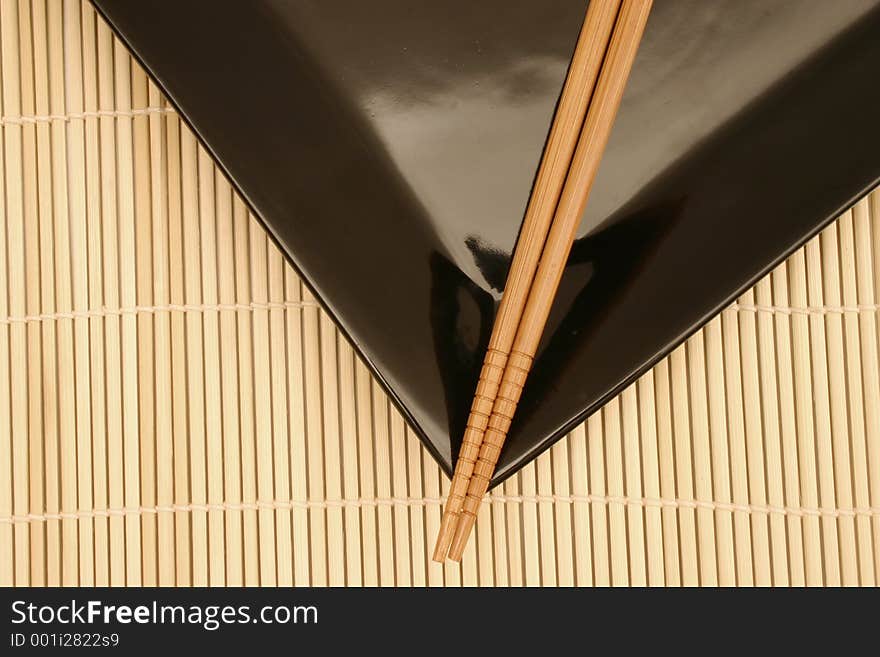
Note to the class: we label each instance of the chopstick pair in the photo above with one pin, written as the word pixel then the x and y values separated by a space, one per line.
pixel 591 95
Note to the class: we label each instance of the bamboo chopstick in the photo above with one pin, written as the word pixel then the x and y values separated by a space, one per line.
pixel 597 127
pixel 583 72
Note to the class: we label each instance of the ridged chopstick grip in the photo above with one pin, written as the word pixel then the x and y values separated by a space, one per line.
pixel 591 144
pixel 509 393
pixel 579 84
pixel 478 418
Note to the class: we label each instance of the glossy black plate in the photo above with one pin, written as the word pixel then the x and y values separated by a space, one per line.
pixel 390 146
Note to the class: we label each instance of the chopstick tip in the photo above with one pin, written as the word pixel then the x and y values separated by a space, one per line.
pixel 444 536
pixel 462 533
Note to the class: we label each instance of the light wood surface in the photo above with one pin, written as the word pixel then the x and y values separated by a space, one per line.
pixel 625 39
pixel 755 383
pixel 578 88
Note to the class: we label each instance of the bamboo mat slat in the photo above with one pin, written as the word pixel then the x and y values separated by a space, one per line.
pixel 175 408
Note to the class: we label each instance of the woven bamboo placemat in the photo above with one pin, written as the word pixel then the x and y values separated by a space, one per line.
pixel 175 409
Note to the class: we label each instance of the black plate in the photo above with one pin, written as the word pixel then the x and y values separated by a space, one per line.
pixel 390 145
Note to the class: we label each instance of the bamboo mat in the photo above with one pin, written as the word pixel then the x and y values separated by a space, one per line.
pixel 175 409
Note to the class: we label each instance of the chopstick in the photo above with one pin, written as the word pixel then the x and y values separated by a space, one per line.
pixel 625 39
pixel 568 120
